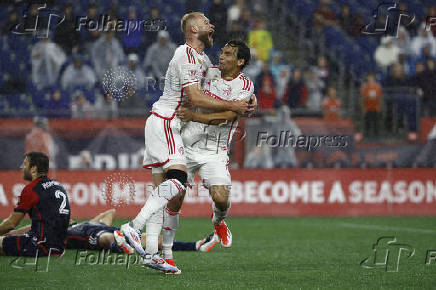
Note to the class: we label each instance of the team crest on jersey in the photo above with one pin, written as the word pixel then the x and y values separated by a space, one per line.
pixel 227 92
pixel 181 150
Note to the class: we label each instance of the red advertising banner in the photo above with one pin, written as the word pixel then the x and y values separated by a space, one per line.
pixel 279 192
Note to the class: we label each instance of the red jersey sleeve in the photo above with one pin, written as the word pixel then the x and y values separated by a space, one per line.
pixel 27 200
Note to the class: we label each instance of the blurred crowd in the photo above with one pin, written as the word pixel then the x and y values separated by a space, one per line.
pixel 68 67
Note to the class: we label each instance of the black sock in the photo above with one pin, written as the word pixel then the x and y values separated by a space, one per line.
pixel 184 246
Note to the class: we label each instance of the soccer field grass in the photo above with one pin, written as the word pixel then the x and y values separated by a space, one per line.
pixel 267 253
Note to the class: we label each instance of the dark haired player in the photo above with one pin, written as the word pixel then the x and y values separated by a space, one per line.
pixel 98 234
pixel 208 135
pixel 46 202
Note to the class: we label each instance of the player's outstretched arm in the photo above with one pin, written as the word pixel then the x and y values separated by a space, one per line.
pixel 199 99
pixel 19 231
pixel 11 222
pixel 217 118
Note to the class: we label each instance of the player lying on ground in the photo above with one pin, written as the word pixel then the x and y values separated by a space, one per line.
pixel 98 234
pixel 46 202
pixel 208 135
pixel 164 149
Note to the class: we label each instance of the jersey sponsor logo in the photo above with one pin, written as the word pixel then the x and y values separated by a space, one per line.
pixel 228 91
pixel 192 73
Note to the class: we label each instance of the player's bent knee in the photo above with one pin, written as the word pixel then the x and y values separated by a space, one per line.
pixel 220 195
pixel 180 175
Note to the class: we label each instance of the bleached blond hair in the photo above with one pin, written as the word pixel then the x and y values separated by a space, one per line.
pixel 187 20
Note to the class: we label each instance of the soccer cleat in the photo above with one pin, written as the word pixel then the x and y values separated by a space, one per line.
pixel 172 263
pixel 133 237
pixel 224 234
pixel 206 244
pixel 122 243
pixel 156 262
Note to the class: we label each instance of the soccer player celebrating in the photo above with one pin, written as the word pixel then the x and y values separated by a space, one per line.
pixel 46 202
pixel 164 149
pixel 208 135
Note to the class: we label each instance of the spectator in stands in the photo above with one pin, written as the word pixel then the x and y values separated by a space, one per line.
pixel 403 41
pixel 282 81
pixel 284 156
pixel 296 95
pixel 431 76
pixel 134 104
pixel 58 105
pixel 106 53
pixel 276 64
pixel 132 37
pixel 423 80
pixel 66 34
pixel 432 12
pixel 105 106
pixel 246 22
pixel 265 88
pixel 89 36
pixel 315 87
pixel 254 67
pixel 397 77
pixel 396 80
pixel 371 94
pixel 411 26
pixel 261 40
pixel 423 39
pixel 234 13
pixel 133 67
pixel 47 58
pixel 32 20
pixel 346 20
pixel 9 25
pixel 331 105
pixel 81 108
pixel 236 32
pixel 218 17
pixel 386 53
pixel 322 71
pixel 323 16
pixel 426 54
pixel 259 157
pixel 159 55
pixel 152 31
pixel 40 140
pixel 78 74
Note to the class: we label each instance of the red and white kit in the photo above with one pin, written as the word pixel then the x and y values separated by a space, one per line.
pixel 163 142
pixel 207 146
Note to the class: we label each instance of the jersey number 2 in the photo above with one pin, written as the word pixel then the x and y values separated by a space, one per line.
pixel 60 194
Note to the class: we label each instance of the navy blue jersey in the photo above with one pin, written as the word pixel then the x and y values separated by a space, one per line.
pixel 46 202
pixel 85 235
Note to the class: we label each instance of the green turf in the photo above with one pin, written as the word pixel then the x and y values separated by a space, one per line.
pixel 267 253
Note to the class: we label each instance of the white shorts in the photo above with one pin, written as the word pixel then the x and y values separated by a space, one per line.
pixel 163 144
pixel 212 168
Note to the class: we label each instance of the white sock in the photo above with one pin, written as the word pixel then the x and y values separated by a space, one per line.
pixel 169 228
pixel 219 215
pixel 153 228
pixel 157 200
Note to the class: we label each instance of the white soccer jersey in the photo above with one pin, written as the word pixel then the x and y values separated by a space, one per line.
pixel 187 67
pixel 217 138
